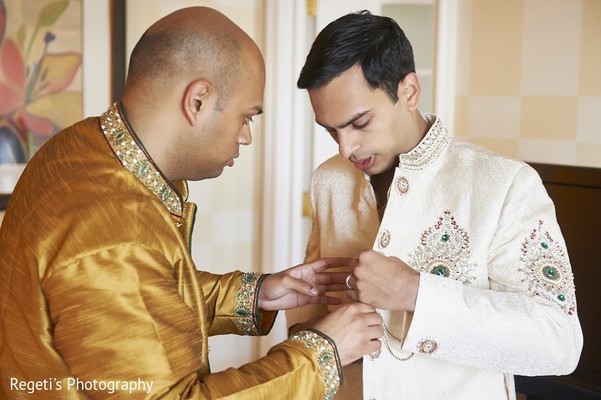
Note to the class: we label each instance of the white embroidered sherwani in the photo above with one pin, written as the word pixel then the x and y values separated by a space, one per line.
pixel 496 294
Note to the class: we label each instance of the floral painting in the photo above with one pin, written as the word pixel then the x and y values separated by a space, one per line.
pixel 40 73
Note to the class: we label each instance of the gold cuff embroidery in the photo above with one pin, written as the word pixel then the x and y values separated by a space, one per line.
pixel 325 357
pixel 246 304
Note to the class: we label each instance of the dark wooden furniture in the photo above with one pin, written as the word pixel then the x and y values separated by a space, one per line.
pixel 4 200
pixel 576 192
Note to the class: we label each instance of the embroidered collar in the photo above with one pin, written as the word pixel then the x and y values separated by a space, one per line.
pixel 429 149
pixel 130 151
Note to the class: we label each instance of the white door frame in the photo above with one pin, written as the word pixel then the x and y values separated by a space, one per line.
pixel 287 31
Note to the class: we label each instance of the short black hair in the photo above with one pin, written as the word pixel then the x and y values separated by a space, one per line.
pixel 375 43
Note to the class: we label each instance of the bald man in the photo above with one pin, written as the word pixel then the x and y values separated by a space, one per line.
pixel 99 296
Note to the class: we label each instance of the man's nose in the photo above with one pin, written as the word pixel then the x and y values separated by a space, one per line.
pixel 348 142
pixel 245 137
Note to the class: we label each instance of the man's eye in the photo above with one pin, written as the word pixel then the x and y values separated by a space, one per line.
pixel 361 126
pixel 248 120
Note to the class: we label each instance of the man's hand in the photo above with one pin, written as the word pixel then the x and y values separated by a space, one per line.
pixel 303 284
pixel 355 328
pixel 383 282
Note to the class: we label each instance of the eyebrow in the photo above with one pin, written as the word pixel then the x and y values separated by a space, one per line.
pixel 347 123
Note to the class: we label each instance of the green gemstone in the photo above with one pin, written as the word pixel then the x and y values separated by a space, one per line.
pixel 440 270
pixel 561 297
pixel 550 273
pixel 242 313
pixel 143 169
pixel 445 238
pixel 544 245
pixel 166 194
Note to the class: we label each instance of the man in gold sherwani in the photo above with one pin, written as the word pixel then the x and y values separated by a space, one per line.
pixel 99 296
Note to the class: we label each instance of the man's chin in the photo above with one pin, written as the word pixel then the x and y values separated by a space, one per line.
pixel 206 175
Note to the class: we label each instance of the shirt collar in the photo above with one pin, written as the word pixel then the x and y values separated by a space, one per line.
pixel 131 153
pixel 432 145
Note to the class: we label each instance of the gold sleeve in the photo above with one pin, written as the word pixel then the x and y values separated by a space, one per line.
pixel 302 367
pixel 118 316
pixel 233 301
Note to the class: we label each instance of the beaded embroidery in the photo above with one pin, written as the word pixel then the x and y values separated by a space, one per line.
pixel 384 240
pixel 429 149
pixel 326 359
pixel 134 158
pixel 245 304
pixel 545 265
pixel 402 185
pixel 445 250
pixel 427 346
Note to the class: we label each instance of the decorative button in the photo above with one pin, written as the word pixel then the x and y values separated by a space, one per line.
pixel 384 238
pixel 402 185
pixel 427 346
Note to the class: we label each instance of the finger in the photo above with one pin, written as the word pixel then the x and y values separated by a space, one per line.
pixel 332 262
pixel 331 277
pixel 351 294
pixel 373 319
pixel 375 332
pixel 373 346
pixel 299 285
pixel 363 308
pixel 337 287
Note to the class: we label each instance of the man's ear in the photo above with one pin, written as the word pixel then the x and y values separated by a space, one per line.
pixel 409 90
pixel 196 98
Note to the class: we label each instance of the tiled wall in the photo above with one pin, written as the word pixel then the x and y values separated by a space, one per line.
pixel 529 79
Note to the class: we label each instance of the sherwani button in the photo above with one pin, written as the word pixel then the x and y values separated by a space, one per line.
pixel 427 346
pixel 384 238
pixel 402 185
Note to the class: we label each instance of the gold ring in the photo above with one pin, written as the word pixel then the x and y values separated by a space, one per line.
pixel 348 285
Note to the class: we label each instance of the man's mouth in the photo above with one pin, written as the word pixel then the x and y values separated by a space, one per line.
pixel 365 163
pixel 231 162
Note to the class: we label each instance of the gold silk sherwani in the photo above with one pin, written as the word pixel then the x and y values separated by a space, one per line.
pixel 100 298
pixel 496 294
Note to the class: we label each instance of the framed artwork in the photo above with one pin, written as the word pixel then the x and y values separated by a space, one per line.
pixel 41 85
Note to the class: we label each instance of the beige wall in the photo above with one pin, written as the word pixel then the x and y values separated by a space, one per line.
pixel 529 79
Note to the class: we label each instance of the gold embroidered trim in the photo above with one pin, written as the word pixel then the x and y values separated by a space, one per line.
pixel 325 357
pixel 245 304
pixel 429 149
pixel 134 158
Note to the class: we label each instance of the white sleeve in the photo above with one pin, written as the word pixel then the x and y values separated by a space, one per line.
pixel 526 322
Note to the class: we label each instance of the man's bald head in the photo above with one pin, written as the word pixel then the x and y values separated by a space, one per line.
pixel 188 44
